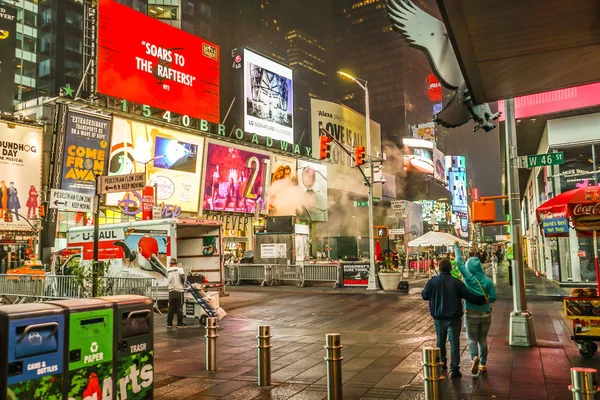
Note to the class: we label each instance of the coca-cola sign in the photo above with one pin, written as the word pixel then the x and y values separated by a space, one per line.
pixel 586 209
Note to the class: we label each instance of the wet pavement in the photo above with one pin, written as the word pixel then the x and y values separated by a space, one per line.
pixel 383 336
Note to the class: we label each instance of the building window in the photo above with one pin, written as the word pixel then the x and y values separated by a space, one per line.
pixel 29 18
pixel 46 17
pixel 28 43
pixel 28 69
pixel 578 168
pixel 163 11
pixel 74 19
pixel 45 43
pixel 73 43
pixel 44 68
pixel 73 68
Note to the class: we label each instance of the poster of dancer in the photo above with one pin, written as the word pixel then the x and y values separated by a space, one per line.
pixel 235 179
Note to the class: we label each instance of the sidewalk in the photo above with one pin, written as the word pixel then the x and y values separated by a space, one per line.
pixel 383 337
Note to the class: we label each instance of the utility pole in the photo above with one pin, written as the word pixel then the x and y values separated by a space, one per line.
pixel 522 330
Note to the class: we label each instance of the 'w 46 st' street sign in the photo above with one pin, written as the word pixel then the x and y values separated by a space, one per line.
pixel 542 160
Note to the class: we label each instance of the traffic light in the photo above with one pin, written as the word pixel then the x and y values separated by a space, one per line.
pixel 324 147
pixel 359 155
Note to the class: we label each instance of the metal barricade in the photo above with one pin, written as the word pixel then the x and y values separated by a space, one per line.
pixel 39 286
pixel 280 273
pixel 251 272
pixel 321 273
pixel 231 274
pixel 42 287
pixel 114 286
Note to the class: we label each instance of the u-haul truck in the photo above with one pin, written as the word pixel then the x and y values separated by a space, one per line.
pixel 144 248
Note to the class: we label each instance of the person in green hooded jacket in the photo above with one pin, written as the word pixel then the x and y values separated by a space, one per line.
pixel 455 272
pixel 478 317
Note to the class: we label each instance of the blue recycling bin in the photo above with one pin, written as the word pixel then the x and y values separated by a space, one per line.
pixel 32 351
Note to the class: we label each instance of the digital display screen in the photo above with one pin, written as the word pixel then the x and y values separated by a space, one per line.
pixel 155 64
pixel 269 98
pixel 175 155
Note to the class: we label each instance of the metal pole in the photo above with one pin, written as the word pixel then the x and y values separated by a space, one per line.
pixel 432 373
pixel 96 239
pixel 333 359
pixel 373 285
pixel 264 355
pixel 584 383
pixel 522 330
pixel 211 343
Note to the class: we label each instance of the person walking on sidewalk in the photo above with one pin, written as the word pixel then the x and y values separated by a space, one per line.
pixel 444 293
pixel 478 316
pixel 176 286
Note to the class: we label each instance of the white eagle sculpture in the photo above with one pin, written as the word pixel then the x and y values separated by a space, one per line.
pixel 429 35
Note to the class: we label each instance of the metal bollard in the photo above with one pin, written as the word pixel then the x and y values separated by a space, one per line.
pixel 333 358
pixel 584 383
pixel 432 373
pixel 211 343
pixel 264 355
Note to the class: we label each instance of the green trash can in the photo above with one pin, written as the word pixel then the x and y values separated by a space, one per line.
pixel 90 372
pixel 134 346
pixel 32 356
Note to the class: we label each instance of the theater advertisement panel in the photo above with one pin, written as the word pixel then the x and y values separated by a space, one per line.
pixel 86 151
pixel 172 161
pixel 268 94
pixel 235 179
pixel 20 175
pixel 284 195
pixel 156 64
pixel 348 127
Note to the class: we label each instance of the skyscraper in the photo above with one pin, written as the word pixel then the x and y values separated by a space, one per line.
pixel 368 48
pixel 23 53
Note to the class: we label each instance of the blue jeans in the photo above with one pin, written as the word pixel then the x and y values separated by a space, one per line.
pixel 478 324
pixel 449 329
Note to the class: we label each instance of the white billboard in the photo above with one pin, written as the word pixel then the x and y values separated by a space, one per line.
pixel 348 127
pixel 268 98
pixel 20 175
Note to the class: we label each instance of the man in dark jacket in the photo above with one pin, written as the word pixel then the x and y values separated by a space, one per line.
pixel 444 293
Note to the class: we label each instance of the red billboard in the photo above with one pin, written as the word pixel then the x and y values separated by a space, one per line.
pixel 155 64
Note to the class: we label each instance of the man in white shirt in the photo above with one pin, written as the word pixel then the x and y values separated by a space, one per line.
pixel 176 286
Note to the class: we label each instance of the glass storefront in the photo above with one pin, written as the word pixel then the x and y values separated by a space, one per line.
pixel 570 258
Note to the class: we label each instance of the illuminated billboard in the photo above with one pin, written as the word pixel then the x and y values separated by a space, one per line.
pixel 456 172
pixel 312 180
pixel 439 168
pixel 156 64
pixel 418 156
pixel 86 151
pixel 172 161
pixel 283 191
pixel 268 98
pixel 433 210
pixel 349 128
pixel 20 176
pixel 235 179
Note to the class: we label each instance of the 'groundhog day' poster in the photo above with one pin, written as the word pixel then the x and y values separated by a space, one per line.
pixel 20 175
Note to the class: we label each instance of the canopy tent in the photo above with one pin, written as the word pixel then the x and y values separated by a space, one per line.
pixel 436 239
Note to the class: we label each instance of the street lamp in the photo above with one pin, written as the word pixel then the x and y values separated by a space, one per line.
pixel 155 184
pixel 373 285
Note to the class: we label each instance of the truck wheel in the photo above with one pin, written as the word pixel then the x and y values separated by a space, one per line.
pixel 588 349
